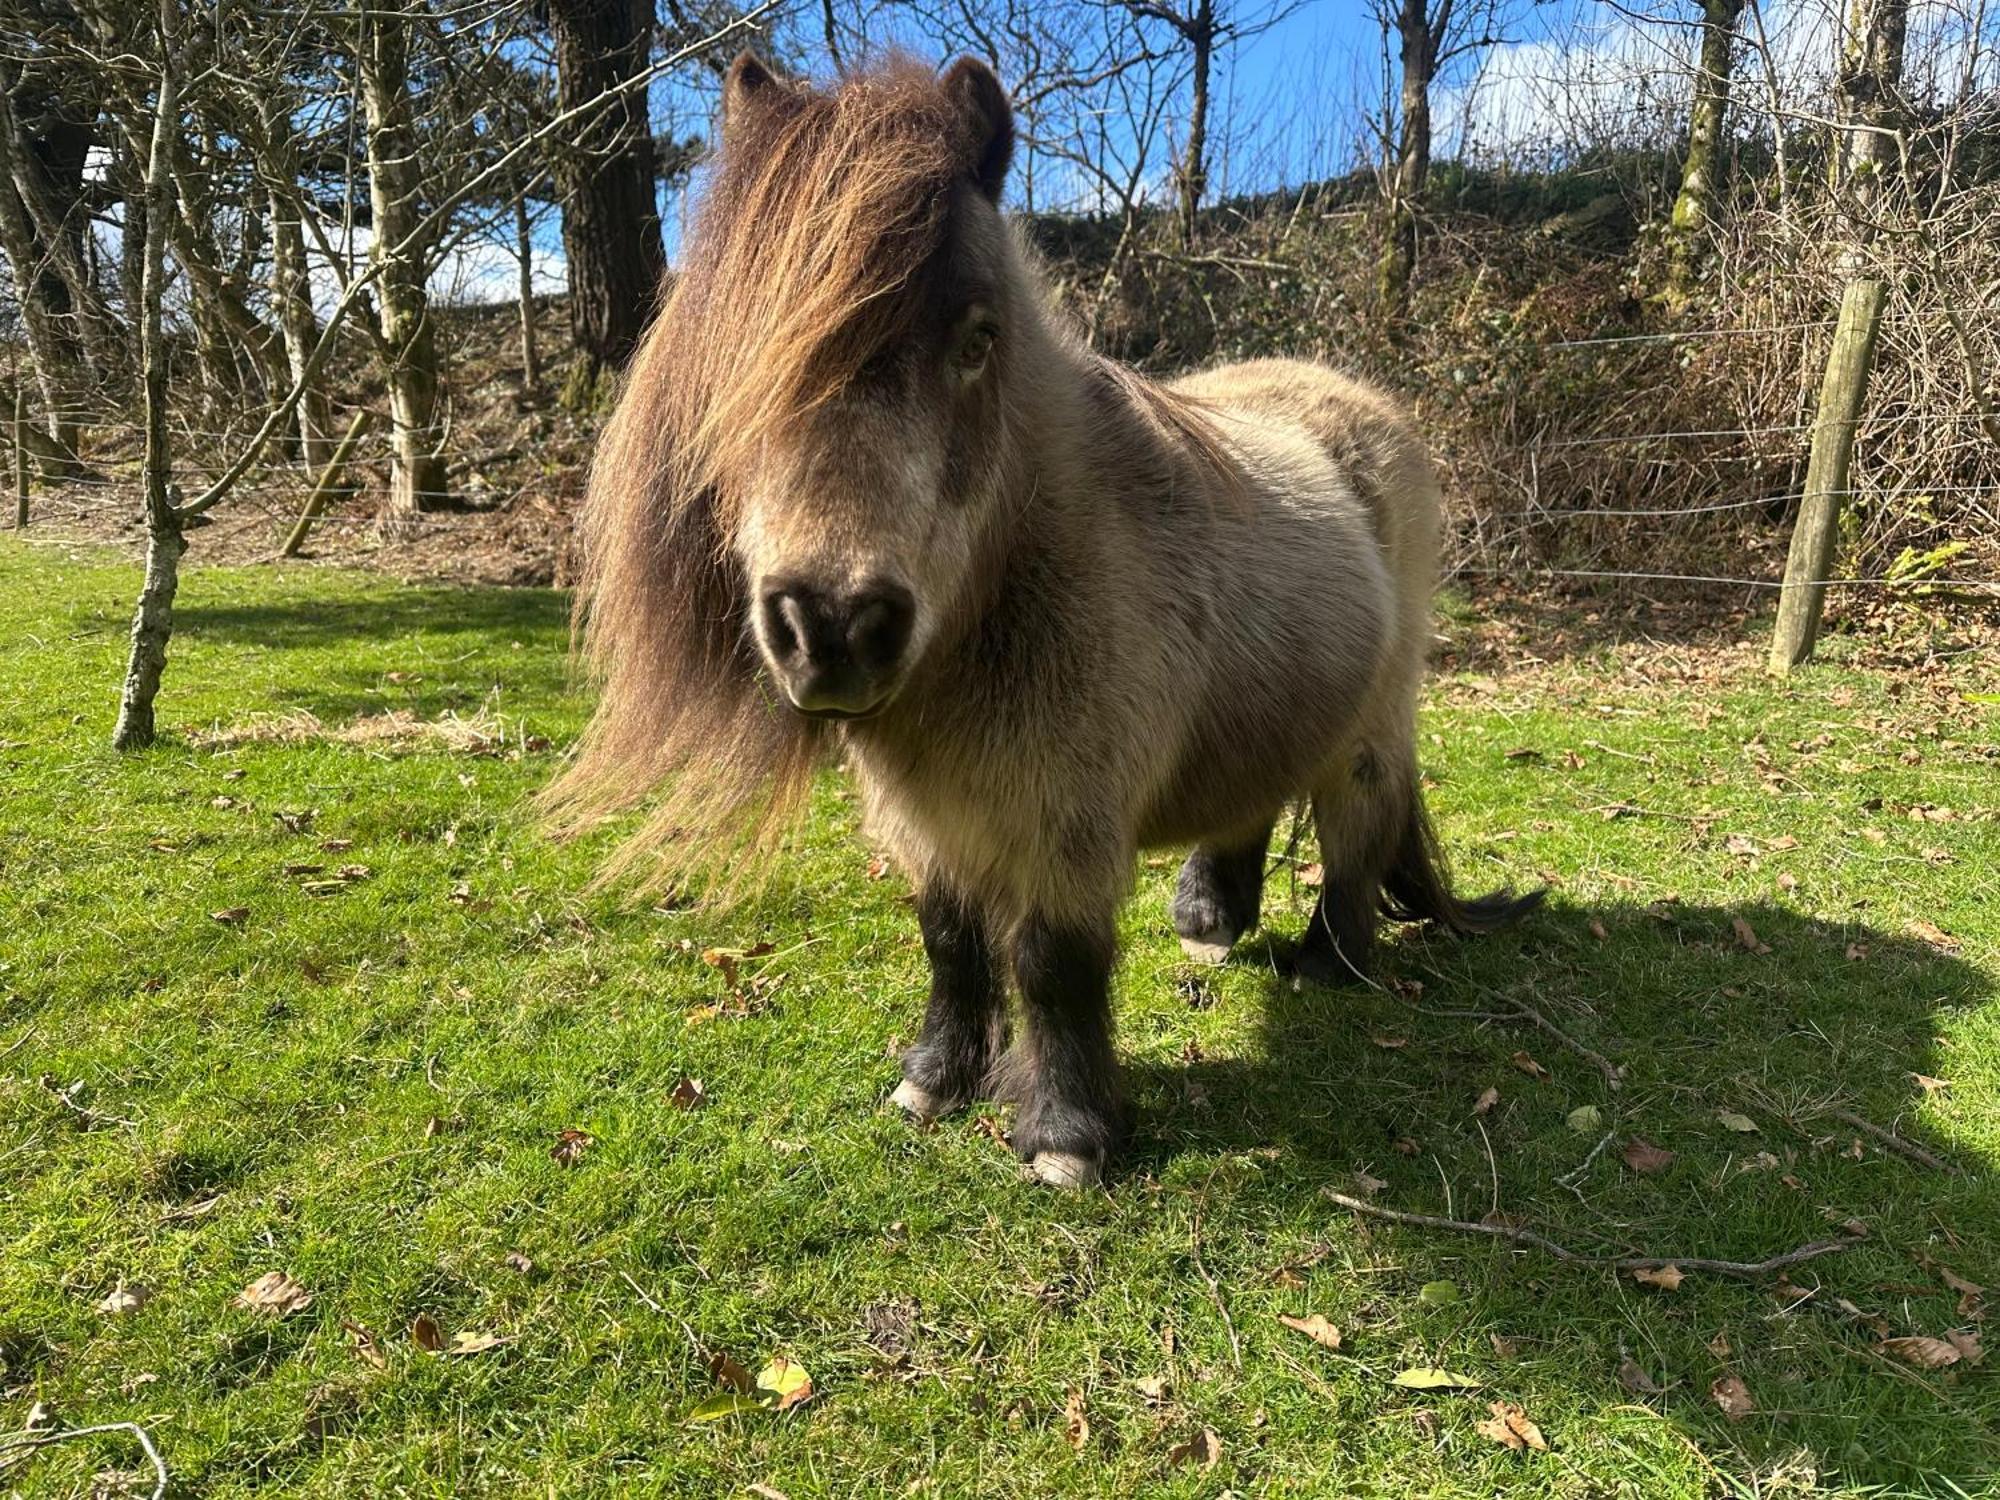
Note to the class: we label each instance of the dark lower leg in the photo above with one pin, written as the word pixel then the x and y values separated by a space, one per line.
pixel 965 1023
pixel 1340 940
pixel 1062 1073
pixel 1220 890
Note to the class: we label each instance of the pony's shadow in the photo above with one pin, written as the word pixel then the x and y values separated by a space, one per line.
pixel 1645 988
pixel 1815 1039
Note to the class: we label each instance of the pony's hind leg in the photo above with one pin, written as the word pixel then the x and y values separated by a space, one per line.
pixel 1071 1112
pixel 1360 811
pixel 965 1023
pixel 1219 894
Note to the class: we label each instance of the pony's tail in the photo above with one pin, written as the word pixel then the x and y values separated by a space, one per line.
pixel 1418 886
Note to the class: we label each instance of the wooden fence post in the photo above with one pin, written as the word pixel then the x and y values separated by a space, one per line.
pixel 323 487
pixel 20 459
pixel 1841 392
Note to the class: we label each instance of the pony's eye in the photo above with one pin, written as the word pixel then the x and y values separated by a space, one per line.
pixel 973 347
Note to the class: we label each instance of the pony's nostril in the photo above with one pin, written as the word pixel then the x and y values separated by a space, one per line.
pixel 879 627
pixel 787 627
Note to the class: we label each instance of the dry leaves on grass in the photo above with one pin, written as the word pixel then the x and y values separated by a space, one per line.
pixel 1643 1157
pixel 367 1348
pixel 1204 1448
pixel 1936 936
pixel 1666 1278
pixel 689 1093
pixel 787 1382
pixel 1730 1120
pixel 1076 1422
pixel 1527 1064
pixel 1314 1327
pixel 1509 1426
pixel 569 1147
pixel 1733 1396
pixel 1632 1375
pixel 1487 1099
pixel 274 1294
pixel 1746 937
pixel 122 1300
pixel 230 916
pixel 1935 1354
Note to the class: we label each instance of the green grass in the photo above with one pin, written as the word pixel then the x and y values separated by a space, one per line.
pixel 362 1089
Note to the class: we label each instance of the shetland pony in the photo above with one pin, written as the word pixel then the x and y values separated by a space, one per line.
pixel 865 493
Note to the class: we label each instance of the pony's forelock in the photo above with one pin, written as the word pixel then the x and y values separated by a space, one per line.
pixel 822 209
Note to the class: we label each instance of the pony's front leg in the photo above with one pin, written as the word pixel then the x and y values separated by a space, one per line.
pixel 965 1024
pixel 1062 1074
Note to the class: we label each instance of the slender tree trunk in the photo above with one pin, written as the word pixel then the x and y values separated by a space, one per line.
pixel 611 217
pixel 291 298
pixel 1413 157
pixel 1871 74
pixel 418 479
pixel 47 174
pixel 524 253
pixel 1701 174
pixel 48 350
pixel 1200 33
pixel 153 620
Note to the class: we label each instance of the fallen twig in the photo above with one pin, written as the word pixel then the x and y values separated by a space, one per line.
pixel 1893 1141
pixel 1563 1253
pixel 26 1440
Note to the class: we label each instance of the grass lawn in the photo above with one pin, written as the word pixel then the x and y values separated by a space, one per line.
pixel 361 1079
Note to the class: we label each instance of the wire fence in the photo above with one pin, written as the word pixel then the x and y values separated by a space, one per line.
pixel 278 484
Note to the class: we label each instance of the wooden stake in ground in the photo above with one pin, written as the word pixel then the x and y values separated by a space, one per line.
pixel 1841 393
pixel 323 488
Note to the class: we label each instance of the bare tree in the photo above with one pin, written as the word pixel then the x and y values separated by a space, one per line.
pixel 611 216
pixel 399 255
pixel 1701 171
pixel 1428 35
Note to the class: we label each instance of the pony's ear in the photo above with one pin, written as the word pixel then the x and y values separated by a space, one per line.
pixel 989 121
pixel 749 90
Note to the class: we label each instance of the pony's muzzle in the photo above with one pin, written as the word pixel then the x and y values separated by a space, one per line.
pixel 837 654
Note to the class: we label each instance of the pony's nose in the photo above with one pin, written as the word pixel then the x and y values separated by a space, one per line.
pixel 835 651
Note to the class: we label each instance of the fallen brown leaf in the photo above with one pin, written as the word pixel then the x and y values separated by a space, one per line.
pixel 1746 937
pixel 425 1333
pixel 569 1146
pixel 473 1343
pixel 1509 1426
pixel 1643 1157
pixel 726 1371
pixel 1924 1353
pixel 122 1300
pixel 230 916
pixel 1076 1424
pixel 688 1094
pixel 1314 1327
pixel 1733 1396
pixel 1204 1448
pixel 1486 1100
pixel 1633 1377
pixel 1666 1278
pixel 1527 1064
pixel 276 1294
pixel 366 1347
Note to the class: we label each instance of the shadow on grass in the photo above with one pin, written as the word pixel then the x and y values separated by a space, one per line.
pixel 1760 1070
pixel 318 623
pixel 420 634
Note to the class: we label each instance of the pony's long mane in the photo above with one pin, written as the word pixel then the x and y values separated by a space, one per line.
pixel 825 216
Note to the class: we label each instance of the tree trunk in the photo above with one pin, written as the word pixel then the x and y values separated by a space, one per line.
pixel 1413 157
pixel 418 478
pixel 1200 34
pixel 47 177
pixel 1871 73
pixel 291 298
pixel 611 217
pixel 524 252
pixel 48 350
pixel 153 620
pixel 1694 207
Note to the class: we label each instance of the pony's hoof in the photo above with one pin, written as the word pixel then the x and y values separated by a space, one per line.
pixel 1209 948
pixel 918 1102
pixel 1064 1170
